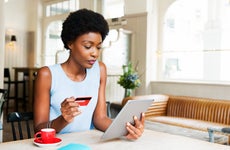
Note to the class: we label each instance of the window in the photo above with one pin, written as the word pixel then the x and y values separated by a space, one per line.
pixel 117 44
pixel 55 13
pixel 116 50
pixel 53 41
pixel 195 41
pixel 62 7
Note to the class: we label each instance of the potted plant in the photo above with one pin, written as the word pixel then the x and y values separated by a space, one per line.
pixel 129 80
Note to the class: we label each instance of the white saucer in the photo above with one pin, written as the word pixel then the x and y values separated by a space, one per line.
pixel 56 142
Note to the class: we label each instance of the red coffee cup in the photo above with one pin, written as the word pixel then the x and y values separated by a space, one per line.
pixel 46 135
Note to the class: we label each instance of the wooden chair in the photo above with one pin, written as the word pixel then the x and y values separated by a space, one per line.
pixel 9 82
pixel 23 127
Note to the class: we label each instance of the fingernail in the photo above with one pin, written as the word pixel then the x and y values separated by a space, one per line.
pixel 128 124
pixel 135 117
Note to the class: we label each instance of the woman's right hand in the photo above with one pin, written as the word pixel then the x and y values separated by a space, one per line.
pixel 70 109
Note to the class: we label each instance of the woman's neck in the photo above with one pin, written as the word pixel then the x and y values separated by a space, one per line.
pixel 74 72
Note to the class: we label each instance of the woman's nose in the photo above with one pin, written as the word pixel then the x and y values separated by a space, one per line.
pixel 95 52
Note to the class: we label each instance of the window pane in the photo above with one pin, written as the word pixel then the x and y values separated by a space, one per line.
pixel 73 5
pixel 48 11
pixel 54 42
pixel 225 71
pixel 196 41
pixel 184 22
pixel 116 51
pixel 65 6
pixel 53 9
pixel 182 65
pixel 61 7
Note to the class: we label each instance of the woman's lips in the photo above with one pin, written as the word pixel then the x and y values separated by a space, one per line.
pixel 91 62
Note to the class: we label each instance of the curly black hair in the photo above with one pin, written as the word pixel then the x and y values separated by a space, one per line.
pixel 80 22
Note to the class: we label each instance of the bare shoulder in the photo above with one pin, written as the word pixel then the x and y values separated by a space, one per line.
pixel 44 72
pixel 102 66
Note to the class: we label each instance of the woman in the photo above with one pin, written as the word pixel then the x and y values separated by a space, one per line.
pixel 57 86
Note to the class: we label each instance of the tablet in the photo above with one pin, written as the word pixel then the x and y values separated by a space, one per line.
pixel 118 126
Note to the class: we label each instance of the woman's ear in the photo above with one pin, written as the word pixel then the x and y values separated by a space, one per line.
pixel 70 45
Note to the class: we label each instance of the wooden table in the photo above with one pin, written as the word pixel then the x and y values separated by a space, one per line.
pixel 30 71
pixel 150 140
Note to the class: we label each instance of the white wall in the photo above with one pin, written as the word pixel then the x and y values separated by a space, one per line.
pixel 20 20
pixel 2 45
pixel 205 90
pixel 135 6
pixel 2 41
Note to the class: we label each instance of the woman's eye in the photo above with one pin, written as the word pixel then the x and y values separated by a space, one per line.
pixel 87 47
pixel 99 48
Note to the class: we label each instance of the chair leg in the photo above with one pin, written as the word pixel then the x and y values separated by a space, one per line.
pixel 24 95
pixel 28 129
pixel 7 106
pixel 20 130
pixel 7 103
pixel 13 130
pixel 16 97
pixel 8 99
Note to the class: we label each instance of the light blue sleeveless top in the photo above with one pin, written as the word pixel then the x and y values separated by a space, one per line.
pixel 62 87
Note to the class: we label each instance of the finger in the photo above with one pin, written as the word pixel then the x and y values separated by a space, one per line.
pixel 69 115
pixel 66 101
pixel 70 109
pixel 137 130
pixel 138 124
pixel 143 119
pixel 134 133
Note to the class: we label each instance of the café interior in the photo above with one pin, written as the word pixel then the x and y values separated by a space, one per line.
pixel 178 47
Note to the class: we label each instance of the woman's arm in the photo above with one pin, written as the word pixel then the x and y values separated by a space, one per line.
pixel 42 98
pixel 100 119
pixel 69 108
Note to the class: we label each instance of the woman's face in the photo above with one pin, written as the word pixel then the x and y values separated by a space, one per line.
pixel 85 49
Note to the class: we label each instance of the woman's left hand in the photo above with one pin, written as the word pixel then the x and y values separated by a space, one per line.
pixel 135 131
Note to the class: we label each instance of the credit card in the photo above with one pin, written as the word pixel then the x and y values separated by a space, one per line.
pixel 83 101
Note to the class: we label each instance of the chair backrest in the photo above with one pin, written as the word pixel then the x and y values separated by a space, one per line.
pixel 24 124
pixel 3 98
pixel 7 75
